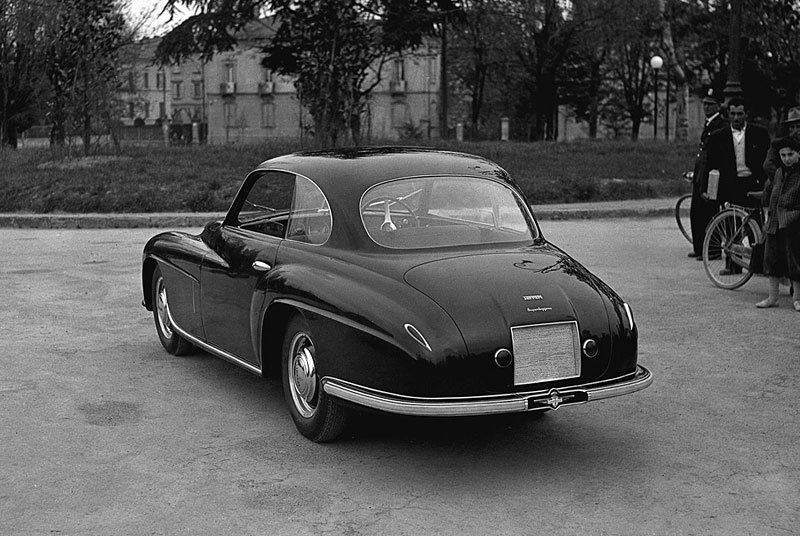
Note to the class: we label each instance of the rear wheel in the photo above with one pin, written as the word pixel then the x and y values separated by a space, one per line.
pixel 727 247
pixel 682 216
pixel 170 340
pixel 315 413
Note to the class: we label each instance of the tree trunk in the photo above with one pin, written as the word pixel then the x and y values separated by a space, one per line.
pixel 443 89
pixel 678 76
pixel 9 134
pixel 594 103
pixel 636 123
pixel 87 134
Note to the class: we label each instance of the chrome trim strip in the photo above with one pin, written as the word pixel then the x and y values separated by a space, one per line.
pixel 417 336
pixel 213 349
pixel 484 405
pixel 629 313
pixel 642 379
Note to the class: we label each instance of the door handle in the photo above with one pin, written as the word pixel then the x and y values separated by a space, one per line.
pixel 261 266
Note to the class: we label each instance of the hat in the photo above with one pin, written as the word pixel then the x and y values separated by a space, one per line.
pixel 793 116
pixel 788 141
pixel 710 97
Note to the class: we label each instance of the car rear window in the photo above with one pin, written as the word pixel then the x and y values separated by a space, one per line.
pixel 429 212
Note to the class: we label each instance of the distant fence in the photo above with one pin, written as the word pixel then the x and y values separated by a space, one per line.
pixel 180 134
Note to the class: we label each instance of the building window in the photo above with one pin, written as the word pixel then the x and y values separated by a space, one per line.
pixel 176 92
pixel 197 89
pixel 131 110
pixel 146 80
pixel 230 72
pixel 230 114
pixel 268 114
pixel 162 109
pixel 160 80
pixel 399 114
pixel 433 78
pixel 398 70
pixel 146 110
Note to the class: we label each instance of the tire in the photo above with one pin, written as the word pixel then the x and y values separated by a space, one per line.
pixel 315 413
pixel 727 246
pixel 170 340
pixel 682 216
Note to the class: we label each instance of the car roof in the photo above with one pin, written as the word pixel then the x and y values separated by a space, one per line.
pixel 350 171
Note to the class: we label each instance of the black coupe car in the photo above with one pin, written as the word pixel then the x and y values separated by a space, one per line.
pixel 403 280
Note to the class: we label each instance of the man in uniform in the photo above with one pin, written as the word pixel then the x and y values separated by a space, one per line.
pixel 702 209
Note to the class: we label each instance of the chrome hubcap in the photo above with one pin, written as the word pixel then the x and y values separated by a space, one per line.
pixel 303 375
pixel 162 309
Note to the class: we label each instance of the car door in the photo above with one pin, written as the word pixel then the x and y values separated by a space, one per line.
pixel 244 248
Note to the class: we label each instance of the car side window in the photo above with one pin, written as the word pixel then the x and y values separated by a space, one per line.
pixel 286 206
pixel 268 203
pixel 310 219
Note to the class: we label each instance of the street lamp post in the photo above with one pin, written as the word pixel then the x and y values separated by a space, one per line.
pixel 733 86
pixel 655 63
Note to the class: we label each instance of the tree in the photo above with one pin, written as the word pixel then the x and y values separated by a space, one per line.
pixel 21 46
pixel 551 31
pixel 479 51
pixel 771 70
pixel 678 75
pixel 630 58
pixel 82 67
pixel 330 46
pixel 584 79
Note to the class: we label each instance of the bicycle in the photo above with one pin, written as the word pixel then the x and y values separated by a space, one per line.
pixel 729 241
pixel 683 210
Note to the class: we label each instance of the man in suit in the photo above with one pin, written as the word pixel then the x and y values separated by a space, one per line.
pixel 702 209
pixel 738 153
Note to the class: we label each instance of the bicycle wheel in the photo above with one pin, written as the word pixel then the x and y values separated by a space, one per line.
pixel 727 246
pixel 682 215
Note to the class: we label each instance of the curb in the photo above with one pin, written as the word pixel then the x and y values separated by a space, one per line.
pixel 199 219
pixel 105 221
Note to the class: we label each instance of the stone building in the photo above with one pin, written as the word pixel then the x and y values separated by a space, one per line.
pixel 241 101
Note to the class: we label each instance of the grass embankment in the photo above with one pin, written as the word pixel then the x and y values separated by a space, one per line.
pixel 187 179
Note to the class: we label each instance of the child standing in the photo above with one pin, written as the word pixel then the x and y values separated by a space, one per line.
pixel 782 199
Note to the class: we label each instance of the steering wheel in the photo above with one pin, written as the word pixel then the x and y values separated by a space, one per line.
pixel 389 225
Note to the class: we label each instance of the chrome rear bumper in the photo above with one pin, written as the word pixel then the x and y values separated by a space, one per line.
pixel 486 405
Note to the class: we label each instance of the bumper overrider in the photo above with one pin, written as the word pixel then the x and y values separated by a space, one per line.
pixel 486 405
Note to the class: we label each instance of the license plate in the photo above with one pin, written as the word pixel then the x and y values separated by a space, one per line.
pixel 546 352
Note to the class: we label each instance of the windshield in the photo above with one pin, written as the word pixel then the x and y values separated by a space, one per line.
pixel 429 212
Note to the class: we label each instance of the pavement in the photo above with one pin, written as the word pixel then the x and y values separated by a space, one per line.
pixel 634 208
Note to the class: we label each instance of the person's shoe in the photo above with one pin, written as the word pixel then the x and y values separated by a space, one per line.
pixel 692 255
pixel 797 306
pixel 769 301
pixel 700 258
pixel 730 271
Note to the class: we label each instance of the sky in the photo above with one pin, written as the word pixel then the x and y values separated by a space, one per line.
pixel 155 24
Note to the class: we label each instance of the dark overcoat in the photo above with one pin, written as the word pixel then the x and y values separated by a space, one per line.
pixel 721 156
